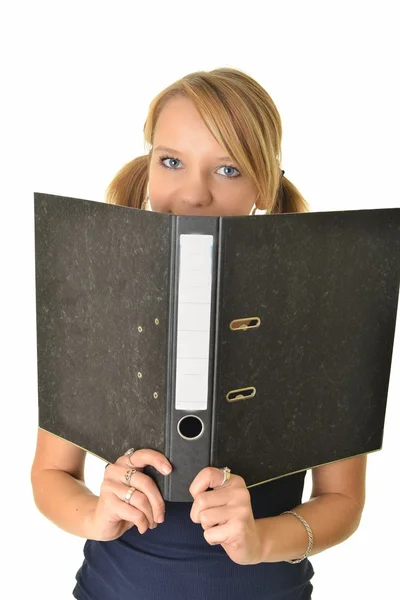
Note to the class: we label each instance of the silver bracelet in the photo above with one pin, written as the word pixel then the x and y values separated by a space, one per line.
pixel 310 537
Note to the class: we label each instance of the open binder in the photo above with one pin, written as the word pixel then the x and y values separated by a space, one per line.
pixel 263 343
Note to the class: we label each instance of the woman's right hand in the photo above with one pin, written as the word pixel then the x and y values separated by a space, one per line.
pixel 113 515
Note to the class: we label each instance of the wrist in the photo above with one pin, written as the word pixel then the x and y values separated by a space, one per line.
pixel 309 533
pixel 282 538
pixel 90 530
pixel 265 543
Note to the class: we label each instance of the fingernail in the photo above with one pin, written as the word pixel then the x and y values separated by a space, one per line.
pixel 160 519
pixel 166 469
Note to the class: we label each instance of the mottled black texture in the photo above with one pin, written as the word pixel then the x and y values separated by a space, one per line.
pixel 100 274
pixel 325 286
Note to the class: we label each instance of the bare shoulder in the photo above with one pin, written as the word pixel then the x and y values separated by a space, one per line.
pixel 347 477
pixel 52 452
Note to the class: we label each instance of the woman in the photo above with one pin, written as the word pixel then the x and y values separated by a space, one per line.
pixel 215 148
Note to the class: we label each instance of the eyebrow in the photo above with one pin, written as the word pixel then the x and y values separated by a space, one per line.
pixel 173 151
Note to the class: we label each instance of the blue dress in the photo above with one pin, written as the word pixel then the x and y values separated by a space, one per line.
pixel 174 561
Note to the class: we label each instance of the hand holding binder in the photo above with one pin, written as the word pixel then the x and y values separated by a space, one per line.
pixel 143 505
pixel 259 342
pixel 226 515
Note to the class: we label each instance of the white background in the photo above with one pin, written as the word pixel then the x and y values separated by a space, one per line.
pixel 77 79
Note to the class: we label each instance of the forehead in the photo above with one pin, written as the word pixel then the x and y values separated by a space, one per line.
pixel 176 110
pixel 180 125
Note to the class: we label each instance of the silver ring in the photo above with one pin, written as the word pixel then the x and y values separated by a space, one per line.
pixel 128 475
pixel 227 473
pixel 128 495
pixel 129 453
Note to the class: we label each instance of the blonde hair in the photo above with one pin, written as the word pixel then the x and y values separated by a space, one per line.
pixel 244 120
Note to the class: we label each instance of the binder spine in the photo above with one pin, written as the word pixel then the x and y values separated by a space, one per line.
pixel 193 278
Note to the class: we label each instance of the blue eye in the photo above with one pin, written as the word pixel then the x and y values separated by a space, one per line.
pixel 232 176
pixel 163 158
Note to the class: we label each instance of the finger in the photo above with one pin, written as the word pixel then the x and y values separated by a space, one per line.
pixel 210 477
pixel 116 474
pixel 131 514
pixel 220 534
pixel 117 510
pixel 111 494
pixel 147 486
pixel 144 457
pixel 206 500
pixel 214 516
pixel 137 500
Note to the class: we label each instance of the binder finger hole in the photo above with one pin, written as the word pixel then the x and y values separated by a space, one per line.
pixel 244 324
pixel 241 394
pixel 190 427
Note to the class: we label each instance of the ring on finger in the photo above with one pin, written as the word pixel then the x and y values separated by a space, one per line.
pixel 128 495
pixel 227 474
pixel 128 475
pixel 128 454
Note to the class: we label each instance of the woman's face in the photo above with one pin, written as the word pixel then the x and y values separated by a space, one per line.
pixel 190 173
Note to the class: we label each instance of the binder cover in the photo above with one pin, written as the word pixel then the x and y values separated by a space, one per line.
pixel 263 343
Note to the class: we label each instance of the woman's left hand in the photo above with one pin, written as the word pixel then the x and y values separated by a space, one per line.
pixel 226 515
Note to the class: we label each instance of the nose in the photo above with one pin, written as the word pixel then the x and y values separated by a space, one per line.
pixel 192 194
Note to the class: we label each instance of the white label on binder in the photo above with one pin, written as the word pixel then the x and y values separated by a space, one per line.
pixel 194 314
